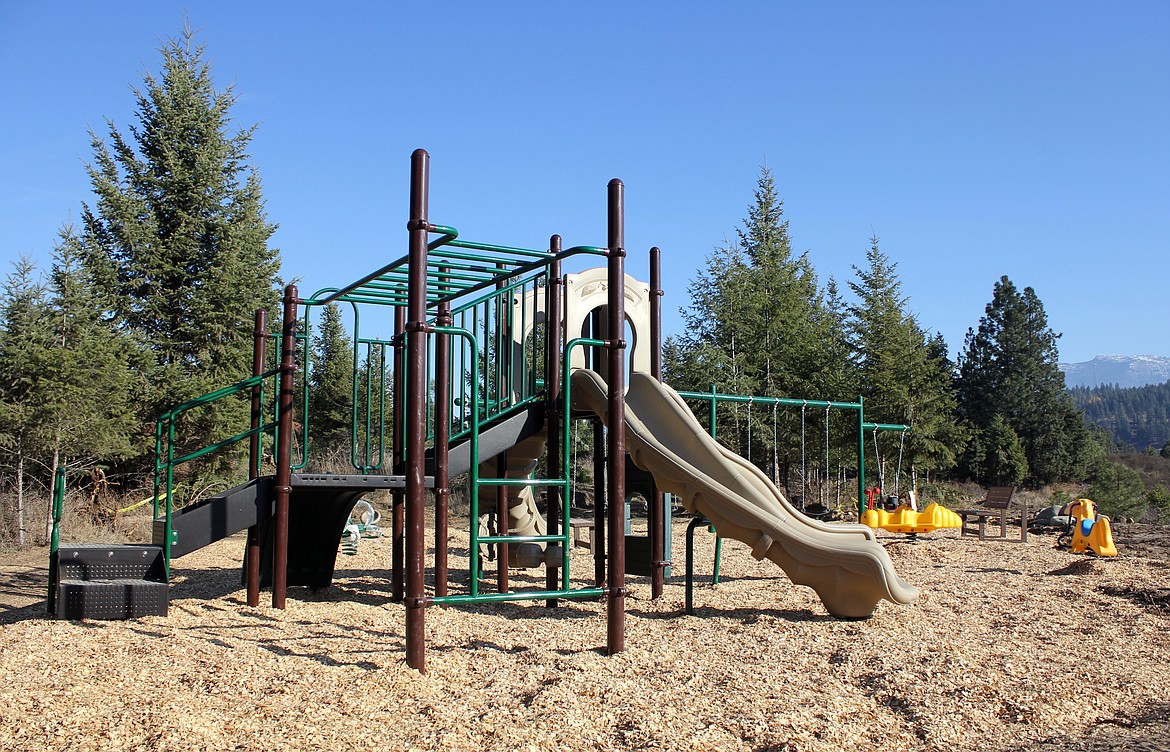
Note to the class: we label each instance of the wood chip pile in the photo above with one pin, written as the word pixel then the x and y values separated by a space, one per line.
pixel 1011 647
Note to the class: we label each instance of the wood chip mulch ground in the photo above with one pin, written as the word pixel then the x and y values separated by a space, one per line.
pixel 1011 647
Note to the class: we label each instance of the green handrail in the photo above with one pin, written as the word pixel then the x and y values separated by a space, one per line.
pixel 567 437
pixel 55 538
pixel 473 471
pixel 165 430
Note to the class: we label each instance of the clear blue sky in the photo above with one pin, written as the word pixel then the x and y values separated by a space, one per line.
pixel 975 139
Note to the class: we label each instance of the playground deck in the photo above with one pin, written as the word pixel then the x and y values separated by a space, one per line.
pixel 759 667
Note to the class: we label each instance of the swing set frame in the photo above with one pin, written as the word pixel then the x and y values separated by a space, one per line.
pixel 714 398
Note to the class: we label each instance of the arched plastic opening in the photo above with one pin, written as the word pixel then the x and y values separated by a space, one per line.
pixel 587 293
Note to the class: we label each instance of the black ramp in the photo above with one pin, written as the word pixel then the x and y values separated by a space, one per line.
pixel 215 518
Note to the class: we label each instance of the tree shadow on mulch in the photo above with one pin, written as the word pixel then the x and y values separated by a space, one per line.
pixel 20 587
pixel 23 613
pixel 1156 600
pixel 1144 730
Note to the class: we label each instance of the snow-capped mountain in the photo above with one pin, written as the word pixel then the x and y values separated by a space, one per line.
pixel 1123 370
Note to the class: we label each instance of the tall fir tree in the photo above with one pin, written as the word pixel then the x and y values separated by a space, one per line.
pixel 177 237
pixel 903 374
pixel 25 336
pixel 1010 368
pixel 330 384
pixel 756 324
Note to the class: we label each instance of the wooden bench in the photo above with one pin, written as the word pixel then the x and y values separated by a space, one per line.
pixel 995 510
pixel 582 530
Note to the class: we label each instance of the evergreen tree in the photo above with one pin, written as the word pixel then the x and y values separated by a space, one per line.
pixel 177 237
pixel 1118 490
pixel 903 375
pixel 25 337
pixel 66 381
pixel 88 381
pixel 331 384
pixel 756 325
pixel 1010 368
pixel 883 338
pixel 1004 461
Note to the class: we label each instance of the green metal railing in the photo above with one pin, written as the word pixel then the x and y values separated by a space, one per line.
pixel 476 483
pixel 165 443
pixel 506 374
pixel 482 283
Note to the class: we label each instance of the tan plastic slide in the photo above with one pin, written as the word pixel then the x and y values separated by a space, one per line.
pixel 844 564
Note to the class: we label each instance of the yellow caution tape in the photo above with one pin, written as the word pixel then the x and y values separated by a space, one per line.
pixel 147 500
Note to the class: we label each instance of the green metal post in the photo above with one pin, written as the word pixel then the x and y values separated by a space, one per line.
pixel 55 538
pixel 718 554
pixel 712 414
pixel 860 457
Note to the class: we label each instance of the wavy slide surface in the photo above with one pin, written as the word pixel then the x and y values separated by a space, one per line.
pixel 846 566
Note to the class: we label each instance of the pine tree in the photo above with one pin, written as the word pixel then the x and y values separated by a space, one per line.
pixel 756 325
pixel 883 337
pixel 1010 368
pixel 837 378
pixel 1004 461
pixel 66 396
pixel 177 237
pixel 1118 490
pixel 25 337
pixel 904 376
pixel 330 384
pixel 88 381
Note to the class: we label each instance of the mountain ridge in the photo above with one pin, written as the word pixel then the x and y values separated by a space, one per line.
pixel 1121 370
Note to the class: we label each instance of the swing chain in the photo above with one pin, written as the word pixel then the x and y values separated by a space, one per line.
pixel 898 472
pixel 803 470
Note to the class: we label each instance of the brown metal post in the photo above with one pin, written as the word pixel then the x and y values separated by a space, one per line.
pixel 416 383
pixel 656 512
pixel 501 523
pixel 553 324
pixel 442 438
pixel 255 449
pixel 599 495
pixel 398 461
pixel 616 487
pixel 284 429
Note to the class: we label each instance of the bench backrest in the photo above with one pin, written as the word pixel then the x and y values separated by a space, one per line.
pixel 999 497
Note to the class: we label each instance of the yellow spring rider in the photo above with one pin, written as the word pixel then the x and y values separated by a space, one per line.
pixel 907 519
pixel 1090 532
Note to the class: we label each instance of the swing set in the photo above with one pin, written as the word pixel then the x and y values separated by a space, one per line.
pixel 714 399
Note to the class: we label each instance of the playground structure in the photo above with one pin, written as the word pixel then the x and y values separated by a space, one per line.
pixel 1091 532
pixel 515 351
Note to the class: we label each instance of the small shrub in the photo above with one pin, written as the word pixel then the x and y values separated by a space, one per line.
pixel 1158 497
pixel 1119 491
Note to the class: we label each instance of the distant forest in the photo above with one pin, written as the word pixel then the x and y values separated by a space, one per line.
pixel 1138 417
